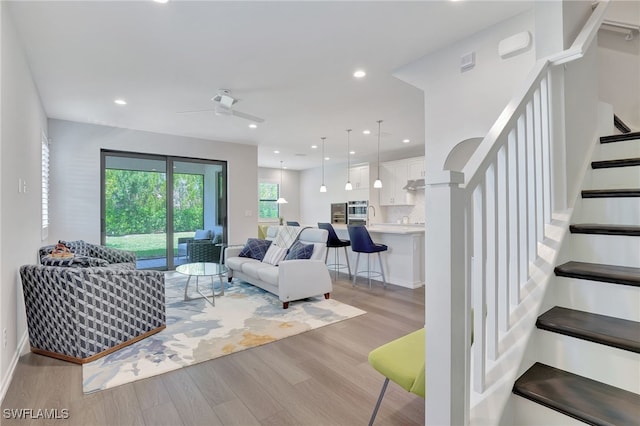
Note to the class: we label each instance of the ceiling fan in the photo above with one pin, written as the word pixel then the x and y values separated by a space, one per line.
pixel 224 105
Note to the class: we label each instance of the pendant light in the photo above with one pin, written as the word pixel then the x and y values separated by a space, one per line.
pixel 378 183
pixel 348 186
pixel 281 200
pixel 323 188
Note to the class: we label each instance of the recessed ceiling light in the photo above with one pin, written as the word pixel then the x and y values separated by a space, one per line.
pixel 120 101
pixel 314 146
pixel 327 158
pixel 366 132
pixel 253 126
pixel 352 152
pixel 276 152
pixel 405 141
pixel 359 74
pixel 161 1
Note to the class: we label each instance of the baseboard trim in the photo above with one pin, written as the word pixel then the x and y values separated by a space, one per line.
pixel 6 380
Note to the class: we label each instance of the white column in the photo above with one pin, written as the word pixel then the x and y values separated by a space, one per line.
pixel 447 359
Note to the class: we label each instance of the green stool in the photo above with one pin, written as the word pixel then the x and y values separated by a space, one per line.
pixel 401 360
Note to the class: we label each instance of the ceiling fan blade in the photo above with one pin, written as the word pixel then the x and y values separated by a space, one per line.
pixel 247 116
pixel 195 110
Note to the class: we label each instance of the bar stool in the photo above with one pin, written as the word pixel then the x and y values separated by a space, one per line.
pixel 335 243
pixel 361 243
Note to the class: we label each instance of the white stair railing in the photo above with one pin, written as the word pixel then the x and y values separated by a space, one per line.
pixel 483 229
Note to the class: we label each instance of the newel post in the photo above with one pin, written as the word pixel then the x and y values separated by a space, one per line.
pixel 446 352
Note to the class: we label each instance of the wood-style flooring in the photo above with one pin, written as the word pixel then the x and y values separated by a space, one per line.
pixel 320 377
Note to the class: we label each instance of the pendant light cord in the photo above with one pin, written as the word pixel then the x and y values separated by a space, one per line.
pixel 379 122
pixel 348 156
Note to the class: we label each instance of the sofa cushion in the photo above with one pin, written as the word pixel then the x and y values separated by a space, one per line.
pixel 300 251
pixel 237 262
pixel 252 268
pixel 202 234
pixel 269 275
pixel 255 248
pixel 274 255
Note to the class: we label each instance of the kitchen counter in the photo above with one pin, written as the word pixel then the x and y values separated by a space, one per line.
pixel 403 262
pixel 389 228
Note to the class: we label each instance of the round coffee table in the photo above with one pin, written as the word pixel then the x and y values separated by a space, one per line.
pixel 203 269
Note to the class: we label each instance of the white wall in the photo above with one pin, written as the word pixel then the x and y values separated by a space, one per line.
pixel 290 190
pixel 75 177
pixel 619 59
pixel 462 105
pixel 23 122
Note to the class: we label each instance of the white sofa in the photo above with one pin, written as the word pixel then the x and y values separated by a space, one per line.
pixel 292 279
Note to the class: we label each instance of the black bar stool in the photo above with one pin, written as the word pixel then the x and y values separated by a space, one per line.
pixel 361 243
pixel 335 243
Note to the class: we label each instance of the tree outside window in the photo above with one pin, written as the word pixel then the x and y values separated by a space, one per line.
pixel 268 194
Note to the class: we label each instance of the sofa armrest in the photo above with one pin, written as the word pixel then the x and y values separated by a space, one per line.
pixel 232 251
pixel 299 279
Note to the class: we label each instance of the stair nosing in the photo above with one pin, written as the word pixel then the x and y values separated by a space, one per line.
pixel 620 138
pixel 611 193
pixel 602 229
pixel 558 320
pixel 561 271
pixel 559 388
pixel 609 164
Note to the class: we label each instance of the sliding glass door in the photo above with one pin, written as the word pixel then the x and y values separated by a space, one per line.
pixel 167 210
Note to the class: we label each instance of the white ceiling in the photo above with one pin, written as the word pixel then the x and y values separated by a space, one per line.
pixel 289 62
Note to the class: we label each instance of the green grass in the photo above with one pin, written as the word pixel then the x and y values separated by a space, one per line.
pixel 146 246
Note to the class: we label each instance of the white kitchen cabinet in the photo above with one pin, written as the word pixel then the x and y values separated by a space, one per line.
pixel 359 176
pixel 394 176
pixel 416 168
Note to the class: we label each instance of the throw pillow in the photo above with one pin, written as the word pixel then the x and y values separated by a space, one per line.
pixel 202 234
pixel 255 249
pixel 300 251
pixel 274 255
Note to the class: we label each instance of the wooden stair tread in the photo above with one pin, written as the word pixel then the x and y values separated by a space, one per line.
pixel 610 193
pixel 610 331
pixel 584 399
pixel 623 162
pixel 620 138
pixel 595 228
pixel 598 272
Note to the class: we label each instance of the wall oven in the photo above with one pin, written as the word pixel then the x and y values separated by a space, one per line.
pixel 357 212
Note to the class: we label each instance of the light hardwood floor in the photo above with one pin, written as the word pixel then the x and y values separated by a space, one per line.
pixel 320 377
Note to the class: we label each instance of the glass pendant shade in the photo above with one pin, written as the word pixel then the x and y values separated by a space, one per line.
pixel 348 186
pixel 323 188
pixel 378 183
pixel 281 199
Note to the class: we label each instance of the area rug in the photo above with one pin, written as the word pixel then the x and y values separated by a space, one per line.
pixel 245 317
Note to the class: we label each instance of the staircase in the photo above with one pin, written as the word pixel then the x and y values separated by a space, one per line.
pixel 587 346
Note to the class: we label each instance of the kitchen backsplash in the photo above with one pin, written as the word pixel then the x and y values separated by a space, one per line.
pixel 395 214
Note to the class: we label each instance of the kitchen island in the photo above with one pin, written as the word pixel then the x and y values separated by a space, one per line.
pixel 403 262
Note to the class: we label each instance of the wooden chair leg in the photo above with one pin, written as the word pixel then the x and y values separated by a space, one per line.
pixel 285 305
pixel 327 295
pixel 375 410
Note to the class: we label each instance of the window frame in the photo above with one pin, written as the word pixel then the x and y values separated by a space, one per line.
pixel 45 167
pixel 269 200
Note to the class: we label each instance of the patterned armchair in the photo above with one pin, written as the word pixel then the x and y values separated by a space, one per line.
pixel 90 255
pixel 79 313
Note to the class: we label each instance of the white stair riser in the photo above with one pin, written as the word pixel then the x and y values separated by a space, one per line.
pixel 616 367
pixel 620 211
pixel 617 150
pixel 529 413
pixel 617 250
pixel 614 300
pixel 613 178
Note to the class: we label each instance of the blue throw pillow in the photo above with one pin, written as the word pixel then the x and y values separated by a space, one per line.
pixel 300 251
pixel 255 249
